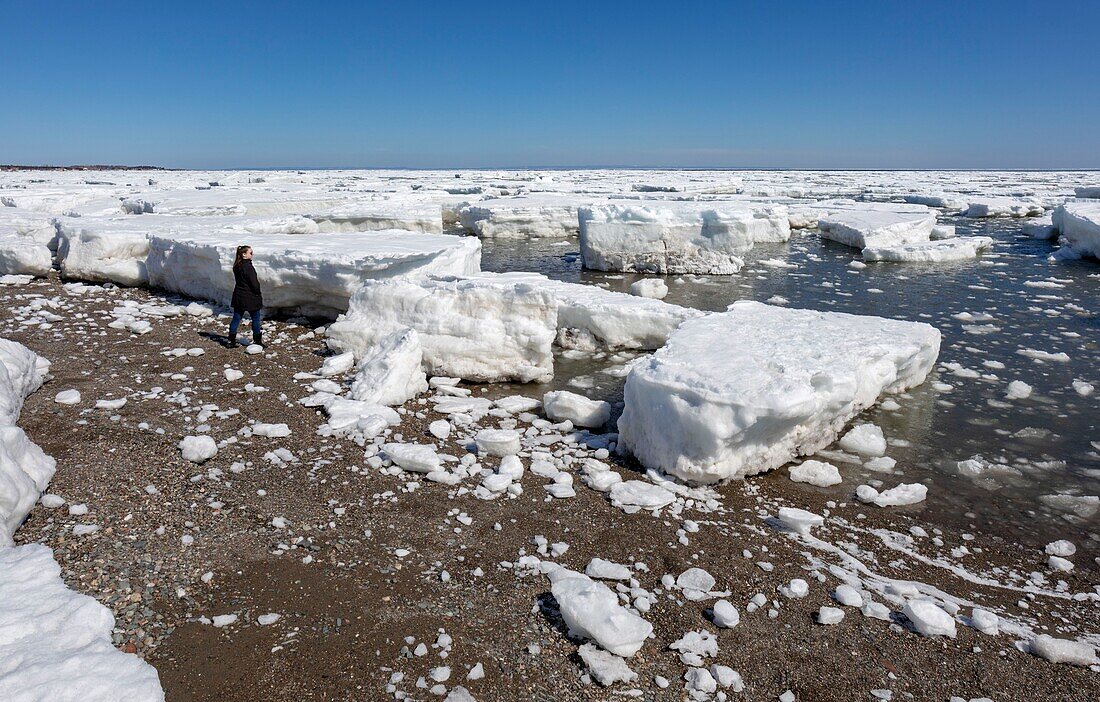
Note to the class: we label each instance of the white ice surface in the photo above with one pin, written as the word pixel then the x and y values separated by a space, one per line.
pixel 104 251
pixel 25 242
pixel 782 384
pixel 315 275
pixel 298 268
pixel 590 317
pixel 528 217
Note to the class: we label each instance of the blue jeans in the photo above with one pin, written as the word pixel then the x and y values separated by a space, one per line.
pixel 236 322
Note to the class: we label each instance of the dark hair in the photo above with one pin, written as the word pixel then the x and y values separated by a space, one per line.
pixel 240 254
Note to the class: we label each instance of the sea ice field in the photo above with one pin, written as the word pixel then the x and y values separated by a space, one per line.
pixel 591 434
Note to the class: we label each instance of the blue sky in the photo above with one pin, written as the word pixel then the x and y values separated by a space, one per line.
pixel 968 84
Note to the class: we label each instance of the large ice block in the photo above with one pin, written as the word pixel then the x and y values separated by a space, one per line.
pixel 467 328
pixel 938 251
pixel 298 267
pixel 676 238
pixel 1079 223
pixel 26 239
pixel 744 391
pixel 104 250
pixel 374 215
pixel 525 217
pixel 314 275
pixel 591 317
pixel 876 227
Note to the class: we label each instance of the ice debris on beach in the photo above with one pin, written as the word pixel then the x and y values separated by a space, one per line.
pixel 591 610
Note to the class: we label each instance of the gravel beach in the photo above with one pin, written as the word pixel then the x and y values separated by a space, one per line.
pixel 382 579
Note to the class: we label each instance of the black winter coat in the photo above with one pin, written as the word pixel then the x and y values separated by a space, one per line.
pixel 246 293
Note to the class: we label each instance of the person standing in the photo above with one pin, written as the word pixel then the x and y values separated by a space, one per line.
pixel 246 296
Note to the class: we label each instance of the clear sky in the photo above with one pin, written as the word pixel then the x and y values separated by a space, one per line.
pixel 814 84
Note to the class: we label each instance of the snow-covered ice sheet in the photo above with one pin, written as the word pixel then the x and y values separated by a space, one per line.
pixel 55 644
pixel 1079 223
pixel 745 391
pixel 1002 207
pixel 298 268
pixel 686 238
pixel 937 251
pixel 494 327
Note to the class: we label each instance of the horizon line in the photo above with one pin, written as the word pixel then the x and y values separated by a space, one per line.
pixel 816 169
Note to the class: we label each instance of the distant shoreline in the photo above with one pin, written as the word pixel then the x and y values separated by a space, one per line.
pixel 12 167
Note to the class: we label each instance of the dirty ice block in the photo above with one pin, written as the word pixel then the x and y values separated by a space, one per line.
pixel 744 391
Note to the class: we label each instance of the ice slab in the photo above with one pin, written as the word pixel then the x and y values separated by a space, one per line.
pixel 591 610
pixel 390 373
pixel 866 227
pixel 1003 207
pixel 461 321
pixel 373 215
pixel 938 251
pixel 1079 223
pixel 741 392
pixel 528 217
pixel 590 317
pixel 26 240
pixel 104 251
pixel 941 201
pixel 686 238
pixel 312 275
pixel 467 329
pixel 55 644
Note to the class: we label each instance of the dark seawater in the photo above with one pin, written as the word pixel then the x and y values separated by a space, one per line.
pixel 1032 447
